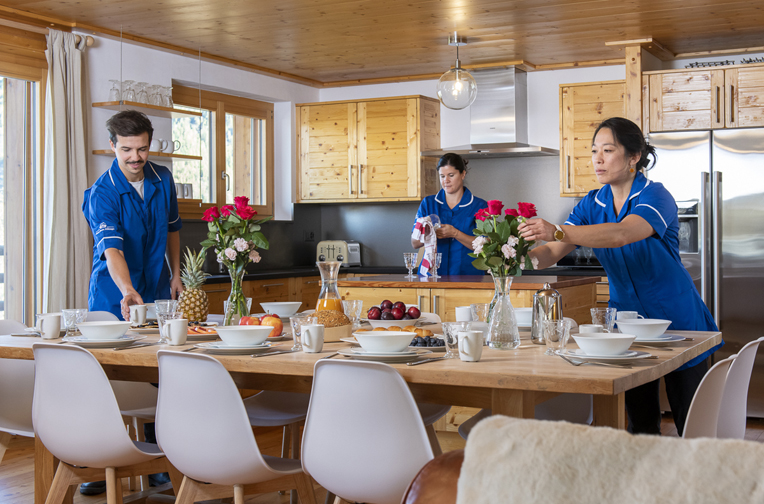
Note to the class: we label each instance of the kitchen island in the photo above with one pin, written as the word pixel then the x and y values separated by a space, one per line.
pixel 444 294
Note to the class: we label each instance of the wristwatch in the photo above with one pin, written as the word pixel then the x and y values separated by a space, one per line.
pixel 559 234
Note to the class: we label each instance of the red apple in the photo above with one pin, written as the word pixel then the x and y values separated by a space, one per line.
pixel 249 321
pixel 278 325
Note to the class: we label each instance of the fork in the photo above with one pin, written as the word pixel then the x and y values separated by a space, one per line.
pixel 578 363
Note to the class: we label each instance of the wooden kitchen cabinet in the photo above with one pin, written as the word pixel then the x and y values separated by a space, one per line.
pixel 367 150
pixel 582 108
pixel 699 99
pixel 372 296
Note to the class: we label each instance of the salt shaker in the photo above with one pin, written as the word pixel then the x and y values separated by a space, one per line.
pixel 547 305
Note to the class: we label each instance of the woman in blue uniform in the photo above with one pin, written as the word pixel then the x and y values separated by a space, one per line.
pixel 456 207
pixel 632 225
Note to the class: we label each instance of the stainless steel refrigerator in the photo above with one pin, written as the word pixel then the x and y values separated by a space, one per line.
pixel 717 178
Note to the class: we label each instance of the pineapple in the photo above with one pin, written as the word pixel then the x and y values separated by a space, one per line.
pixel 193 301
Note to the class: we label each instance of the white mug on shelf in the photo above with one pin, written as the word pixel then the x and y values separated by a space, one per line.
pixel 312 338
pixel 179 190
pixel 138 314
pixel 176 331
pixel 188 191
pixel 170 146
pixel 156 145
pixel 470 345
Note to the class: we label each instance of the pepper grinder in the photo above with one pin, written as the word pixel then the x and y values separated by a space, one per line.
pixel 547 305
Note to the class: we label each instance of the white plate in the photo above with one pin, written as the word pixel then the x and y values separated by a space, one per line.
pixel 352 341
pixel 201 337
pixel 219 348
pixel 663 340
pixel 391 359
pixel 126 340
pixel 584 357
pixel 403 353
pixel 626 355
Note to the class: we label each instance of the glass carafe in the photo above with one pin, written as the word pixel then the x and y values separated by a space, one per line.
pixel 329 297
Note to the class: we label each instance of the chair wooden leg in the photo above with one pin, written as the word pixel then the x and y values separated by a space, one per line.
pixel 113 485
pixel 329 497
pixel 176 477
pixel 187 493
pixel 305 488
pixel 434 443
pixel 5 440
pixel 60 485
pixel 238 494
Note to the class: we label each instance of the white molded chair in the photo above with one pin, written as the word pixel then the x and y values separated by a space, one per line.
pixel 70 384
pixel 203 427
pixel 16 389
pixel 100 316
pixel 364 438
pixel 734 407
pixel 703 415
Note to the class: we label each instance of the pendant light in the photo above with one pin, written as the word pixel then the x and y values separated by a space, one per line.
pixel 457 88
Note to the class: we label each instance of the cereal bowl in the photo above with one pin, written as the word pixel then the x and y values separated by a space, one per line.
pixel 283 309
pixel 243 335
pixel 384 341
pixel 603 344
pixel 104 330
pixel 644 328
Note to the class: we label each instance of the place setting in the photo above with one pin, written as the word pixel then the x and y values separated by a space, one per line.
pixel 595 347
pixel 239 340
pixel 104 334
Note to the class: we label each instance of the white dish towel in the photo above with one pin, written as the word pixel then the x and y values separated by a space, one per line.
pixel 424 232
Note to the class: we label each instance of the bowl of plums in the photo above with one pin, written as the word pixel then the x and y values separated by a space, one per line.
pixel 392 314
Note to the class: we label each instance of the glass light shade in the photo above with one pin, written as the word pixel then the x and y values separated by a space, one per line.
pixel 457 89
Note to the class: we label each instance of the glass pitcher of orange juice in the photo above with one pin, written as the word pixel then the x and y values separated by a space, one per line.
pixel 329 298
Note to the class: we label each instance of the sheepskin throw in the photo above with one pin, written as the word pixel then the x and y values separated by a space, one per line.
pixel 510 460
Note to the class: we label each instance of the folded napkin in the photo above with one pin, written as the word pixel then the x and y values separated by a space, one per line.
pixel 424 232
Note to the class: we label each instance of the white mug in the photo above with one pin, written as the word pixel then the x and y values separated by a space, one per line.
pixel 188 191
pixel 313 338
pixel 156 145
pixel 138 314
pixel 176 331
pixel 49 325
pixel 179 190
pixel 591 328
pixel 625 315
pixel 470 345
pixel 170 146
pixel 463 313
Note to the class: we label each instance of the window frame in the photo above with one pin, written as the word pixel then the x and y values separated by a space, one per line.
pixel 221 104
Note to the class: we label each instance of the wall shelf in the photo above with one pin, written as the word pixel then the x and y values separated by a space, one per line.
pixel 175 157
pixel 150 110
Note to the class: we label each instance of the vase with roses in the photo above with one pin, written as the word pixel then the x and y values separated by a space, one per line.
pixel 499 249
pixel 234 234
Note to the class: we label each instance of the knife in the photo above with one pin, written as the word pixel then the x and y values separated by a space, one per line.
pixel 133 346
pixel 274 353
pixel 423 361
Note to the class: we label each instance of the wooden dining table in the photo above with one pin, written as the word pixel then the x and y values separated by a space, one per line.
pixel 509 382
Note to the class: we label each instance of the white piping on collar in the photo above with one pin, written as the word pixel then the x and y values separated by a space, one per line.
pixel 152 169
pixel 436 197
pixel 112 179
pixel 596 199
pixel 472 198
pixel 637 193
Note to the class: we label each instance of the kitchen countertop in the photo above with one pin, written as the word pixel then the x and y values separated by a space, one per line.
pixel 526 282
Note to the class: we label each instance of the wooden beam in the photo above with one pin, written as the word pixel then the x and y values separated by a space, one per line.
pixel 720 52
pixel 633 89
pixel 580 64
pixel 648 44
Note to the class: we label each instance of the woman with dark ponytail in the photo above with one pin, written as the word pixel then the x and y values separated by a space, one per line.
pixel 632 225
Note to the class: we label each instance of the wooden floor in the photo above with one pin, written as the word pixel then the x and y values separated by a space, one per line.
pixel 17 467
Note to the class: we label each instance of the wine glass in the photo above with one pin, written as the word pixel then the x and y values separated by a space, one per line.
pixel 588 252
pixel 70 319
pixel 438 258
pixel 409 258
pixel 114 93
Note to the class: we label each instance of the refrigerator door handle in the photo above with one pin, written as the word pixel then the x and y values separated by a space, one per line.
pixel 716 188
pixel 705 238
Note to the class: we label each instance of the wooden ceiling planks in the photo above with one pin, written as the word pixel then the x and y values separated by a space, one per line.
pixel 330 41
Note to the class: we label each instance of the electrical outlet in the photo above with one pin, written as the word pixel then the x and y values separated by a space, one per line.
pixel 308 236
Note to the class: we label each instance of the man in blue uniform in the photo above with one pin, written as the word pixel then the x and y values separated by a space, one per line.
pixel 132 210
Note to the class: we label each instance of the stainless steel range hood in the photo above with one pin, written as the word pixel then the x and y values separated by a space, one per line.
pixel 498 118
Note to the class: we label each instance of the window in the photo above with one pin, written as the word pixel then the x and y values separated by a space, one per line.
pixel 234 137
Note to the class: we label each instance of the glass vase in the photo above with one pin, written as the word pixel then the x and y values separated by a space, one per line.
pixel 237 306
pixel 502 323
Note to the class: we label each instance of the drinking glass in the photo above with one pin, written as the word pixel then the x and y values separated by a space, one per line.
pixel 70 321
pixel 165 309
pixel 129 93
pixel 114 93
pixel 556 334
pixel 479 312
pixel 142 96
pixel 409 258
pixel 451 337
pixel 438 257
pixel 435 219
pixel 604 317
pixel 82 316
pixel 297 322
pixel 353 309
pixel 167 96
pixel 154 97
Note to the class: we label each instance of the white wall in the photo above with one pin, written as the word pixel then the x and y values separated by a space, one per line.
pixel 108 57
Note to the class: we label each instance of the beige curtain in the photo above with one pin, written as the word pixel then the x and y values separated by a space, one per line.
pixel 67 245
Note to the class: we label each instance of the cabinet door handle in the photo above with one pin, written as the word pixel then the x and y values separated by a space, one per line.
pixel 360 171
pixel 272 285
pixel 313 281
pixel 732 104
pixel 216 290
pixel 420 300
pixel 435 303
pixel 567 161
pixel 350 179
pixel 718 96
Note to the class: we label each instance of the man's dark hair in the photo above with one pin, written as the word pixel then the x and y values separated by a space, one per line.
pixel 129 123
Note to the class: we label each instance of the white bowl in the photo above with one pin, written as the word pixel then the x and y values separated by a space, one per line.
pixel 112 329
pixel 603 343
pixel 524 317
pixel 644 328
pixel 384 341
pixel 283 309
pixel 243 335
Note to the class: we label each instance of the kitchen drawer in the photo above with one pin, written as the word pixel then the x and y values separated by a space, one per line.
pixel 372 296
pixel 216 294
pixel 262 291
pixel 307 291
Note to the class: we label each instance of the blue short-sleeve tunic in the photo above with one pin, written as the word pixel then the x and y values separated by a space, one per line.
pixel 647 276
pixel 454 260
pixel 120 219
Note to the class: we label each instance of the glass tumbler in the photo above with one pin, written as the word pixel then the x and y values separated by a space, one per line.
pixel 604 317
pixel 70 321
pixel 165 308
pixel 353 309
pixel 451 337
pixel 556 334
pixel 297 321
pixel 479 312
